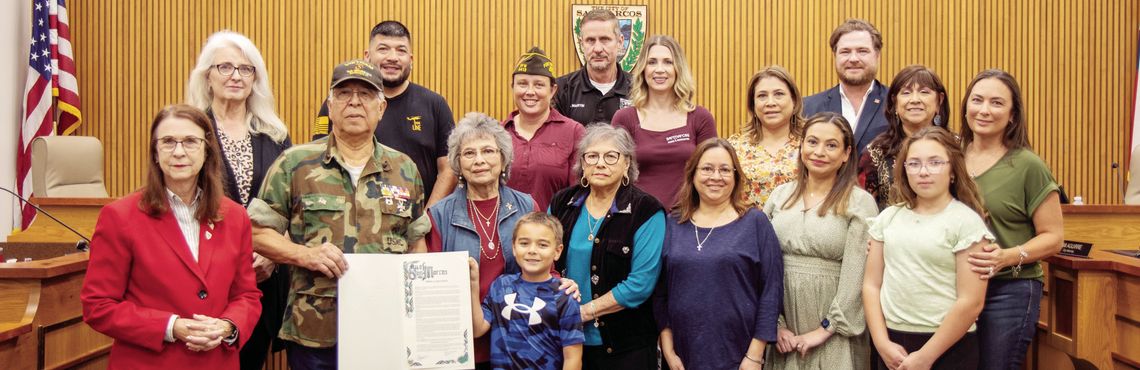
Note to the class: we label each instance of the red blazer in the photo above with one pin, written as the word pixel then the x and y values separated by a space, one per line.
pixel 141 271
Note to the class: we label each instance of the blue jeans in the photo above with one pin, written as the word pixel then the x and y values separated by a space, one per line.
pixel 1008 323
pixel 307 358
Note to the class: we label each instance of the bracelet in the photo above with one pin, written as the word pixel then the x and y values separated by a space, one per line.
pixel 594 314
pixel 760 361
pixel 1021 254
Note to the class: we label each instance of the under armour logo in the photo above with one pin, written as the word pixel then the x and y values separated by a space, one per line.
pixel 535 318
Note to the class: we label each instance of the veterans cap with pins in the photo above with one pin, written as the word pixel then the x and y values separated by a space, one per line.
pixel 358 70
pixel 534 62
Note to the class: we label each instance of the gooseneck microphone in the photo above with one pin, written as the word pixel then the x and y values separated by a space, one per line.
pixel 1119 180
pixel 82 245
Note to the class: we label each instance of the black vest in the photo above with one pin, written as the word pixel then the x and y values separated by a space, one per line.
pixel 611 260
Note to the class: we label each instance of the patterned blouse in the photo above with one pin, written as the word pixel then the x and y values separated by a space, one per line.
pixel 763 170
pixel 875 173
pixel 239 155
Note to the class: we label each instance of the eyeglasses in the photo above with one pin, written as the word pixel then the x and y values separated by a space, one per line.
pixel 470 154
pixel 709 171
pixel 610 157
pixel 189 143
pixel 934 166
pixel 226 69
pixel 346 95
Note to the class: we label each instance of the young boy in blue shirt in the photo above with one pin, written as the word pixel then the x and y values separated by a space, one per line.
pixel 533 325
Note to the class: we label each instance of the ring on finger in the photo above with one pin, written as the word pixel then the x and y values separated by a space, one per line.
pixel 991 271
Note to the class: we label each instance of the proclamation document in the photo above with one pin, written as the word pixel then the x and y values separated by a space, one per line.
pixel 405 311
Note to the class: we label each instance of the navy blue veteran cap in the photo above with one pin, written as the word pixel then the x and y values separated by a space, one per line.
pixel 358 70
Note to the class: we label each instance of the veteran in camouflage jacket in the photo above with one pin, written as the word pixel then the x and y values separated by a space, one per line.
pixel 311 210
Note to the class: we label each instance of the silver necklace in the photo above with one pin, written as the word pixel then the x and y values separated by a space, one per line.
pixel 985 158
pixel 817 203
pixel 701 243
pixel 494 230
pixel 486 220
pixel 591 226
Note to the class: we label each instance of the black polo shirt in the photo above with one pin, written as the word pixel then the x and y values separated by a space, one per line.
pixel 578 99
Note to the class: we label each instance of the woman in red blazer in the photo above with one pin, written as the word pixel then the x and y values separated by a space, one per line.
pixel 170 276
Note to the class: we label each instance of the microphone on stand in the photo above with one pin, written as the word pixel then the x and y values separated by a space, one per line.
pixel 82 245
pixel 1119 180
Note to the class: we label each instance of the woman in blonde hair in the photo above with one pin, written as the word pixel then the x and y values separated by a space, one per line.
pixel 231 84
pixel 768 146
pixel 664 121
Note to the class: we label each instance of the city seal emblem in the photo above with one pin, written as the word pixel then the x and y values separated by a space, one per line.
pixel 631 22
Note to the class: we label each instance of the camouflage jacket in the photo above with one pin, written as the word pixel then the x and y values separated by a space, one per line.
pixel 309 194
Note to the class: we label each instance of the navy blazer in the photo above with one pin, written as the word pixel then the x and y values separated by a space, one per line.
pixel 872 120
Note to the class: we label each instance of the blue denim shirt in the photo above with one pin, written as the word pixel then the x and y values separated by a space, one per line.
pixel 458 232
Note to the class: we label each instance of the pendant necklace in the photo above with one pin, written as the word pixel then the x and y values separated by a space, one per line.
pixel 701 243
pixel 486 220
pixel 817 203
pixel 491 235
pixel 591 226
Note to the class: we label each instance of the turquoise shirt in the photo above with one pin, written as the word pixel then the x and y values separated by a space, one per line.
pixel 644 267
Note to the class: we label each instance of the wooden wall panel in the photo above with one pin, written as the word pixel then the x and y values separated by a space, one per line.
pixel 1074 59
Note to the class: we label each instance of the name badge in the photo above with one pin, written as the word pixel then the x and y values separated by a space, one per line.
pixel 1076 249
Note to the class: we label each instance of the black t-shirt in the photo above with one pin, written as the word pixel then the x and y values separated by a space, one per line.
pixel 578 99
pixel 416 123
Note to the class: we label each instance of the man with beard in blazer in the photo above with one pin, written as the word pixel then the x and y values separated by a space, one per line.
pixel 859 97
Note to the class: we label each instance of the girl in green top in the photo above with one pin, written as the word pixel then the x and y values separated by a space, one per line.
pixel 919 295
pixel 1024 210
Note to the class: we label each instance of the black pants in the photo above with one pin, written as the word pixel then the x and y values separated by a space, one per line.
pixel 596 358
pixel 274 292
pixel 306 358
pixel 962 355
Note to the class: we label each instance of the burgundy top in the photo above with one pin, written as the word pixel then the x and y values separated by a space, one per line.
pixel 661 155
pixel 491 263
pixel 544 164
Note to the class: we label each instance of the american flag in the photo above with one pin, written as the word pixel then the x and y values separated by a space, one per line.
pixel 51 74
pixel 1134 138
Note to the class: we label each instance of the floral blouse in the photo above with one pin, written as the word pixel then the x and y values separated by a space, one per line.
pixel 875 173
pixel 765 171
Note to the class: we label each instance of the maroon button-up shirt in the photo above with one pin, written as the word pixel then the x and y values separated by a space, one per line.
pixel 544 164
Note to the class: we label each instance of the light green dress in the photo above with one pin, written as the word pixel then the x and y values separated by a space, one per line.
pixel 823 278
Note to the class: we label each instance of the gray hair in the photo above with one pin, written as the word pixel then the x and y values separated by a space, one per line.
pixel 603 15
pixel 479 125
pixel 621 139
pixel 260 101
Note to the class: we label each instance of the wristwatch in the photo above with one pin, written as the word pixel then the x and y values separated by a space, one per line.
pixel 825 324
pixel 232 338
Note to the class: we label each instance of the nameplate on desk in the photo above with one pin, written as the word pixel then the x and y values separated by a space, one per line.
pixel 1076 249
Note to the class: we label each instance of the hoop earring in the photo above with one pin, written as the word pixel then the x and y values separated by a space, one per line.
pixel 584 182
pixel 624 180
